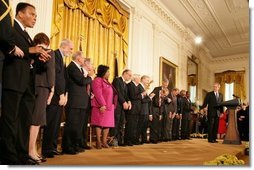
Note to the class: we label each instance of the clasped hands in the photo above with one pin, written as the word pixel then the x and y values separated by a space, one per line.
pixel 127 106
pixel 43 52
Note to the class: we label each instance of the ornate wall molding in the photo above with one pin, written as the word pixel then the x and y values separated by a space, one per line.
pixel 165 15
pixel 232 58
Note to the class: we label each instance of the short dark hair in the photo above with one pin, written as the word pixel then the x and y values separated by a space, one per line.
pixel 101 70
pixel 41 38
pixel 22 6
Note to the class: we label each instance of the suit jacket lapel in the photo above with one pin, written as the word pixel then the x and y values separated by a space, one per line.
pixel 25 35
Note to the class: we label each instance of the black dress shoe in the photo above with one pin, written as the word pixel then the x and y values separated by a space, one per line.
pixel 128 144
pixel 49 155
pixel 79 149
pixel 69 151
pixel 87 147
pixel 122 144
pixel 55 152
pixel 154 142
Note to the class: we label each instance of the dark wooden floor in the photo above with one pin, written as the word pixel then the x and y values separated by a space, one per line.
pixel 183 152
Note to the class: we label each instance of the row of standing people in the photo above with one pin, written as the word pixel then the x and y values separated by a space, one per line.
pixel 161 110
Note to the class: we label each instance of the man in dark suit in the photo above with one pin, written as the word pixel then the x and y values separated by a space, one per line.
pixel 7 44
pixel 176 120
pixel 164 110
pixel 186 117
pixel 77 104
pixel 18 91
pixel 123 104
pixel 88 68
pixel 145 110
pixel 135 95
pixel 59 100
pixel 212 100
pixel 157 109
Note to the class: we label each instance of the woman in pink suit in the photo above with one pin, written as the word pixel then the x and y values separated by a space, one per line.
pixel 103 105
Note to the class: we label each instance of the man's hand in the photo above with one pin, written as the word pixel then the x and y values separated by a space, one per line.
pixel 50 98
pixel 18 52
pixel 44 56
pixel 144 93
pixel 125 106
pixel 169 100
pixel 65 100
pixel 151 95
pixel 150 117
pixel 130 105
pixel 62 100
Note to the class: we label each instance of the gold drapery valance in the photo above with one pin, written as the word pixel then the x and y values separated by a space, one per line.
pixel 236 77
pixel 99 28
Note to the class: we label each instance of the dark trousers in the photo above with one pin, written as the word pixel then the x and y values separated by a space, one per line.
pixel 167 128
pixel 51 130
pixel 167 124
pixel 212 128
pixel 155 128
pixel 175 130
pixel 17 109
pixel 243 129
pixel 185 128
pixel 84 134
pixel 142 127
pixel 118 130
pixel 73 128
pixel 131 129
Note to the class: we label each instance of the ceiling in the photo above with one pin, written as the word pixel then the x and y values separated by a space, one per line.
pixel 223 24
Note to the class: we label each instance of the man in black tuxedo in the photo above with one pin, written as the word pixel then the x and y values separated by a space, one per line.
pixel 212 100
pixel 77 104
pixel 7 44
pixel 59 100
pixel 123 105
pixel 18 90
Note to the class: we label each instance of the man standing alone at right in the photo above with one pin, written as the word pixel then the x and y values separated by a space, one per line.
pixel 212 100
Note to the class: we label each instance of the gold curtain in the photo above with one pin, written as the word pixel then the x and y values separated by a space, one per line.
pixel 99 28
pixel 236 77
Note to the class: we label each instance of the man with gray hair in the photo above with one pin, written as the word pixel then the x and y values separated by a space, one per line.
pixel 77 104
pixel 55 109
pixel 135 96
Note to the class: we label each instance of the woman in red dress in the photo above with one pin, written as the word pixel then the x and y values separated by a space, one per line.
pixel 222 125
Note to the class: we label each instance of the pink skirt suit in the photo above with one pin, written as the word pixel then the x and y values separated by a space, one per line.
pixel 104 95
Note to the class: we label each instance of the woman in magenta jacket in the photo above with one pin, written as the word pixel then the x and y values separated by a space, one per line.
pixel 103 105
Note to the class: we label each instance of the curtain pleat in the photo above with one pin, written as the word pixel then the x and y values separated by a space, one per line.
pixel 97 27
